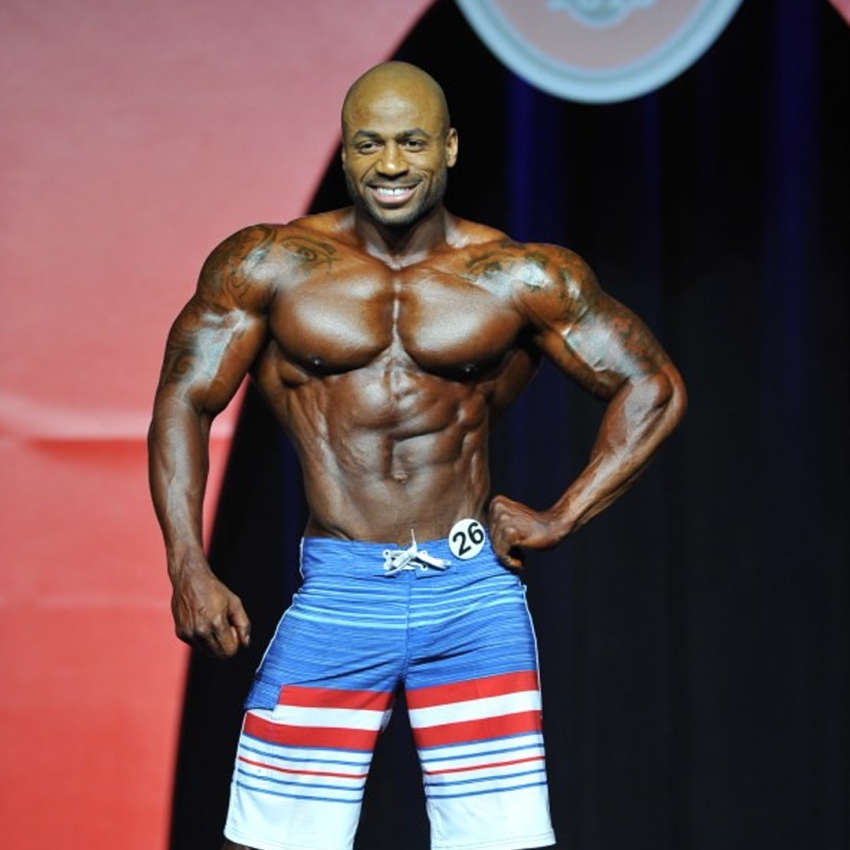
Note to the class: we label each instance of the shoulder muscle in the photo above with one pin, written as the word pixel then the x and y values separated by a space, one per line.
pixel 237 274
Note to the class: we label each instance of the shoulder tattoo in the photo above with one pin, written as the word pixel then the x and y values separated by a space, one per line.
pixel 228 269
pixel 510 263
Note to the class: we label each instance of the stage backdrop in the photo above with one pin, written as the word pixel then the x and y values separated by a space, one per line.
pixel 694 639
pixel 133 137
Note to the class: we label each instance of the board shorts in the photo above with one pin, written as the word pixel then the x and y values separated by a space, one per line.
pixel 368 620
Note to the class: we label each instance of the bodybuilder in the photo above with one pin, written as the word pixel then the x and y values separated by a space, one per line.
pixel 386 337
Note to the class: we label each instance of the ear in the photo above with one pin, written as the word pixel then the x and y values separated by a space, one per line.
pixel 451 147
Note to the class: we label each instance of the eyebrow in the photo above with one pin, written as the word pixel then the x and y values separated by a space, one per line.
pixel 404 134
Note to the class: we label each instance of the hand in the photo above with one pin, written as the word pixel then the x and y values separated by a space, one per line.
pixel 513 525
pixel 208 616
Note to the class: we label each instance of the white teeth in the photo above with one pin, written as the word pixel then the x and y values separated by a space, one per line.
pixel 392 192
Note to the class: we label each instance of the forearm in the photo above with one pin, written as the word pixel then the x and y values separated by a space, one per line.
pixel 639 417
pixel 178 452
pixel 206 614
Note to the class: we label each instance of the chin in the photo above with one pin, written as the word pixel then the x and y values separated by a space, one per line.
pixel 397 218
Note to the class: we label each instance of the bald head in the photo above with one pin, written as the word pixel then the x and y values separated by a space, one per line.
pixel 397 144
pixel 396 81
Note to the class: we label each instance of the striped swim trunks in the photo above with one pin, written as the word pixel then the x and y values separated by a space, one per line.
pixel 368 620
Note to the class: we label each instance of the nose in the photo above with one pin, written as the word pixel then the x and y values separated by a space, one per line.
pixel 392 161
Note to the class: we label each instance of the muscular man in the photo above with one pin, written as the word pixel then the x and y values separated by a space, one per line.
pixel 386 338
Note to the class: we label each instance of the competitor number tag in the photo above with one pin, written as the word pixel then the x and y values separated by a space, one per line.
pixel 466 539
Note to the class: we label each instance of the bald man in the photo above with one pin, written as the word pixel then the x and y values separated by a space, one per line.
pixel 386 338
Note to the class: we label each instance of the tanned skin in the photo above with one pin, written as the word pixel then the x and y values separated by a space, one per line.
pixel 387 338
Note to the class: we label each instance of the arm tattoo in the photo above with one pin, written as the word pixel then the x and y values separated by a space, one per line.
pixel 198 343
pixel 635 340
pixel 180 348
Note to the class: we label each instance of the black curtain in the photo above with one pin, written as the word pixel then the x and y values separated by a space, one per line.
pixel 693 640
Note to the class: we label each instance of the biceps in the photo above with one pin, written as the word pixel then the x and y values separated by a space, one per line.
pixel 606 348
pixel 207 355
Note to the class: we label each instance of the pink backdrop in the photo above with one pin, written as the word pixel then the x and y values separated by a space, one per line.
pixel 134 137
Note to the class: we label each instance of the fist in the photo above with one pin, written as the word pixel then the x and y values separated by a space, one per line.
pixel 514 526
pixel 210 617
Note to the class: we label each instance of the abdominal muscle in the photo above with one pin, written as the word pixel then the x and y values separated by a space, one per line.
pixel 387 450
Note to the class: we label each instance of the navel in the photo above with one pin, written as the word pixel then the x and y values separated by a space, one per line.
pixel 400 477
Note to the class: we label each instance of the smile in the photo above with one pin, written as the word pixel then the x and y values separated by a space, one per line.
pixel 392 194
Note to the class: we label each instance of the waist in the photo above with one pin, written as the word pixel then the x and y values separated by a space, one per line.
pixel 357 558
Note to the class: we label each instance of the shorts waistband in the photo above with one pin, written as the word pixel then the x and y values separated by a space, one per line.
pixel 364 558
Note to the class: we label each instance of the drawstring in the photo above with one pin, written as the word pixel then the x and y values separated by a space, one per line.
pixel 396 560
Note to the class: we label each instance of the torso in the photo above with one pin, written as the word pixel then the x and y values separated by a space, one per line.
pixel 388 379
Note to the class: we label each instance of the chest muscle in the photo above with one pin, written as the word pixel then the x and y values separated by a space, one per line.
pixel 440 321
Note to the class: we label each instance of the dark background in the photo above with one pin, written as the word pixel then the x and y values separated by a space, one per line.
pixel 693 640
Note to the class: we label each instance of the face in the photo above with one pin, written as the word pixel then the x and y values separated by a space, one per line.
pixel 396 152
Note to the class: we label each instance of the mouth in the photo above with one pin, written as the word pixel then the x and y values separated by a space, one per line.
pixel 392 196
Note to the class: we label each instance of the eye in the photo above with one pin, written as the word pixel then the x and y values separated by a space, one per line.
pixel 414 144
pixel 366 147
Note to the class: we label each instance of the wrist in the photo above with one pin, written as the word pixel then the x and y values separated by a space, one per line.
pixel 185 559
pixel 561 521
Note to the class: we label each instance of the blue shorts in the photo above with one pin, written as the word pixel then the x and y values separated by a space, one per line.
pixel 367 620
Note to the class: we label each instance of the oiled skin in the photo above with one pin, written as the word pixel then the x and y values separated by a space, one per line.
pixel 387 379
pixel 386 338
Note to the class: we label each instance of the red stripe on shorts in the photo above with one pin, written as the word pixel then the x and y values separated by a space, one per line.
pixel 486 686
pixel 310 736
pixel 334 698
pixel 290 770
pixel 483 764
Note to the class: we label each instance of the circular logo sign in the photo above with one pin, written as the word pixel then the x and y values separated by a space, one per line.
pixel 598 51
pixel 466 539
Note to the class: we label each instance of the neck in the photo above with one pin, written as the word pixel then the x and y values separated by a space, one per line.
pixel 402 246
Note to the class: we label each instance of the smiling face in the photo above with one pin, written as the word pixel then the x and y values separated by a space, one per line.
pixel 397 144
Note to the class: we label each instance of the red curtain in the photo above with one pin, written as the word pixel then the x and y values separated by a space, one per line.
pixel 134 138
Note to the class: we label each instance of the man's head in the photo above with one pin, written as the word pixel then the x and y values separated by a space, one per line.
pixel 397 143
